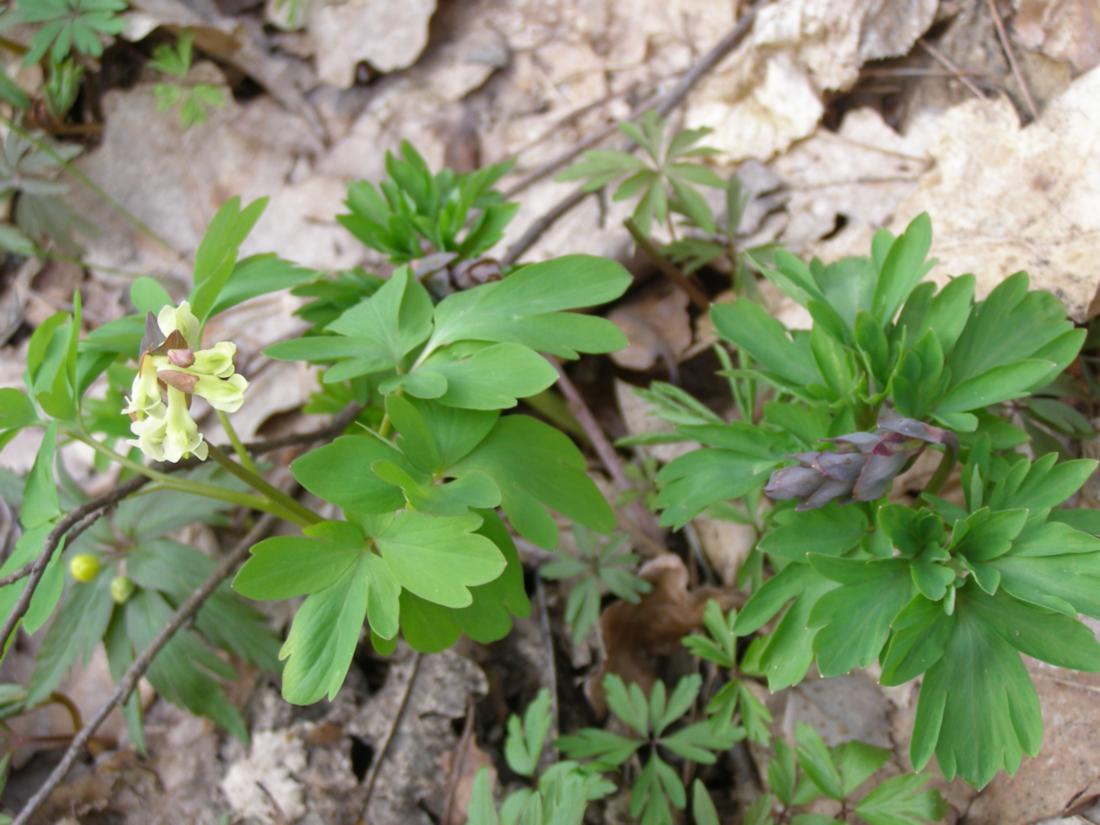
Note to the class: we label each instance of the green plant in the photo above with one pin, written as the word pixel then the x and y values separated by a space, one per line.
pixel 652 729
pixel 69 24
pixel 414 213
pixel 953 589
pixel 62 87
pixel 30 168
pixel 561 793
pixel 664 181
pixel 599 566
pixel 193 99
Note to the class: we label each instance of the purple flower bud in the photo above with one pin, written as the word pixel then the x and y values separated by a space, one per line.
pixel 793 482
pixel 862 468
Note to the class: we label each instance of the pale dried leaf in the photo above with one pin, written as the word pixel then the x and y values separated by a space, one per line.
pixel 387 35
pixel 769 93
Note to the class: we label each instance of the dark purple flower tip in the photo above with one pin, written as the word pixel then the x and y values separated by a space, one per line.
pixel 793 482
pixel 890 421
pixel 840 466
pixel 878 474
pixel 864 442
pixel 830 490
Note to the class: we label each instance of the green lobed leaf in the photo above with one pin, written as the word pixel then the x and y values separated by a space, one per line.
pixel 283 567
pixel 538 469
pixel 439 558
pixel 527 308
pixel 902 800
pixel 850 638
pixel 323 637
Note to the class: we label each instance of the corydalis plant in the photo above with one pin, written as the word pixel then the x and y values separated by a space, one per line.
pixel 172 366
pixel 951 590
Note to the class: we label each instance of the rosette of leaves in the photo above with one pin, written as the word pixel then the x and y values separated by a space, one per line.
pixel 193 99
pixel 658 732
pixel 30 168
pixel 561 793
pixel 664 180
pixel 600 566
pixel 65 25
pixel 930 589
pixel 413 213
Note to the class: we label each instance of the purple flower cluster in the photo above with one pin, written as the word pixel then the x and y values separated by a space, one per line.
pixel 861 468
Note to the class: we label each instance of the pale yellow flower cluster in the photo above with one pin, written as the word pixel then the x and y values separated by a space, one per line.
pixel 166 431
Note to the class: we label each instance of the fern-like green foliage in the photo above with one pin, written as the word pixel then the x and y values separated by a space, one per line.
pixel 67 25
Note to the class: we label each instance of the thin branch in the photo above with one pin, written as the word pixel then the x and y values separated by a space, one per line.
pixel 550 674
pixel 668 102
pixel 1002 35
pixel 183 615
pixel 459 764
pixel 83 515
pixel 395 723
pixel 641 525
pixel 330 430
pixel 941 58
pixel 670 270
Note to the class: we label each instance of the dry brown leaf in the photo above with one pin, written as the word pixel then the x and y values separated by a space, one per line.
pixel 470 760
pixel 847 183
pixel 175 180
pixel 725 544
pixel 1067 769
pixel 658 327
pixel 635 636
pixel 1067 30
pixel 769 93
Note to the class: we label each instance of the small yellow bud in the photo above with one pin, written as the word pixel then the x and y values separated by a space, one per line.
pixel 121 589
pixel 84 567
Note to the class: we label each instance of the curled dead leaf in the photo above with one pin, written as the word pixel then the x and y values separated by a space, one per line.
pixel 637 636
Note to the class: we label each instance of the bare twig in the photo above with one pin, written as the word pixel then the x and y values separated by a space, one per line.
pixel 1002 35
pixel 184 613
pixel 645 528
pixel 941 58
pixel 71 536
pixel 597 137
pixel 667 103
pixel 670 270
pixel 458 763
pixel 395 723
pixel 550 677
pixel 83 515
pixel 330 430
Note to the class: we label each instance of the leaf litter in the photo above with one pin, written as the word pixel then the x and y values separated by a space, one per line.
pixel 359 76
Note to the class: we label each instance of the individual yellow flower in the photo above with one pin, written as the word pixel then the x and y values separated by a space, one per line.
pixel 151 429
pixel 145 391
pixel 181 318
pixel 181 437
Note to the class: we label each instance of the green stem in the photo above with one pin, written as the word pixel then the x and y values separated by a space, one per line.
pixel 198 488
pixel 947 463
pixel 303 514
pixel 385 427
pixel 238 445
pixel 92 186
